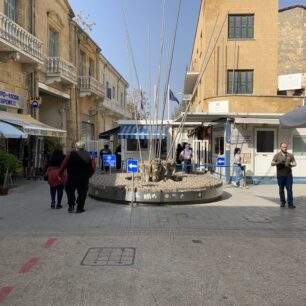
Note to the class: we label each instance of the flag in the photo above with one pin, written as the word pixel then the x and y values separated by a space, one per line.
pixel 141 100
pixel 172 97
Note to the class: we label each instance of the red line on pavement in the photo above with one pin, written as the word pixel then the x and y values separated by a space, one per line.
pixel 27 267
pixel 49 243
pixel 4 292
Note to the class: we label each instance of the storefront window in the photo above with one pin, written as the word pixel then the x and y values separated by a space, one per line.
pixel 219 145
pixel 132 144
pixel 299 145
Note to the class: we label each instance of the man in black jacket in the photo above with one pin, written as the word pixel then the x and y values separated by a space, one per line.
pixel 80 167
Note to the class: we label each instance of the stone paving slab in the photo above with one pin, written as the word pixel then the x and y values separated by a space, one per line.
pixel 167 271
pixel 248 251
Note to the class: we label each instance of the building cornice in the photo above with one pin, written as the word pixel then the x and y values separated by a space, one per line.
pixel 292 7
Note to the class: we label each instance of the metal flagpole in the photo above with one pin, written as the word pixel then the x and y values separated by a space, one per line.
pixel 168 78
pixel 168 102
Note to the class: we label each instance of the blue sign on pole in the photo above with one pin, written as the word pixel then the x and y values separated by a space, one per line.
pixel 132 165
pixel 109 160
pixel 35 104
pixel 220 161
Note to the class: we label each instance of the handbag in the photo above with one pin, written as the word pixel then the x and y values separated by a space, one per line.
pixel 46 176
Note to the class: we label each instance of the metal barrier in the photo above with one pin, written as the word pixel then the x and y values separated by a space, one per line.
pixel 213 169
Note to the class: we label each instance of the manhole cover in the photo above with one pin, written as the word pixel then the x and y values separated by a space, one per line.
pixel 109 257
pixel 257 219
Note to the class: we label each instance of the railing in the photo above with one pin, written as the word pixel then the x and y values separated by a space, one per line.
pixel 57 66
pixel 90 84
pixel 116 107
pixel 19 37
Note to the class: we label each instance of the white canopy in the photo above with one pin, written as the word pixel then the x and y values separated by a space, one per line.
pixel 9 131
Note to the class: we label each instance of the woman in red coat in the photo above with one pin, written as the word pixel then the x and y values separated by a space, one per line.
pixel 52 166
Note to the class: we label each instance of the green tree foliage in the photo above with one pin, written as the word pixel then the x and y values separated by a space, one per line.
pixel 8 162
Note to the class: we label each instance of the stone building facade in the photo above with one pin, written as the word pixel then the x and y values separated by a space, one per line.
pixel 232 86
pixel 292 50
pixel 46 56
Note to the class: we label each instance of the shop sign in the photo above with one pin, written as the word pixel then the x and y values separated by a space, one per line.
pixel 238 138
pixel 9 99
pixel 218 107
pixel 38 132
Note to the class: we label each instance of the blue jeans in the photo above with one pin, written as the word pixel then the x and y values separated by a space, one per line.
pixel 59 190
pixel 238 171
pixel 187 165
pixel 285 181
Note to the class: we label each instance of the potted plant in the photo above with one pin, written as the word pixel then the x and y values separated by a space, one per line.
pixel 8 164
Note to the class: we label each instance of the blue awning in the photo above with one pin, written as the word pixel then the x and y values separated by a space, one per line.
pixel 108 133
pixel 141 132
pixel 9 131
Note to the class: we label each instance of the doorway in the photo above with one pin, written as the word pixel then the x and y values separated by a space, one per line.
pixel 265 149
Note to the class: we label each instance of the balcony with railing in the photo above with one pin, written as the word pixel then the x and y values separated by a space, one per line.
pixel 113 108
pixel 91 86
pixel 60 70
pixel 17 43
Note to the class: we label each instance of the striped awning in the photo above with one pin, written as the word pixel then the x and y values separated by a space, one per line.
pixel 108 133
pixel 9 131
pixel 141 132
pixel 30 125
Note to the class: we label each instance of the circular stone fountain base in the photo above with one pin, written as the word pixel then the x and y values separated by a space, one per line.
pixel 182 189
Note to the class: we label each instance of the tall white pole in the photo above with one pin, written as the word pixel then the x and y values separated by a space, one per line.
pixel 168 100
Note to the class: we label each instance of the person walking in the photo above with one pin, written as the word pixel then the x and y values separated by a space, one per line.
pixel 284 162
pixel 105 151
pixel 118 157
pixel 186 154
pixel 179 150
pixel 51 168
pixel 238 168
pixel 80 167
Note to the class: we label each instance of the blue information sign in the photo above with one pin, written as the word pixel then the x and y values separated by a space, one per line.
pixel 132 165
pixel 109 160
pixel 93 154
pixel 220 161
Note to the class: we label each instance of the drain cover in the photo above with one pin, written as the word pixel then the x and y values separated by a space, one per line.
pixel 197 241
pixel 109 257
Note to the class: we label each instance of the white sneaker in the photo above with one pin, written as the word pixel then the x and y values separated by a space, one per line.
pixel 235 184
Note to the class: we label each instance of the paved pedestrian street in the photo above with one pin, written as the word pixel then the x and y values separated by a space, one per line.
pixel 242 250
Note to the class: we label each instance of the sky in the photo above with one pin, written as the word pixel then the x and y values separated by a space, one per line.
pixel 141 15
